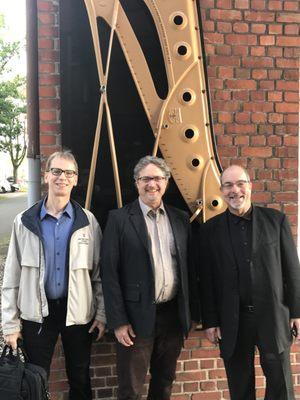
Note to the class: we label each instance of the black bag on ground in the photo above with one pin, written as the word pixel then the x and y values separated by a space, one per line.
pixel 21 380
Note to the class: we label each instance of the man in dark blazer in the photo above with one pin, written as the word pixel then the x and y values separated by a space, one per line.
pixel 250 289
pixel 145 274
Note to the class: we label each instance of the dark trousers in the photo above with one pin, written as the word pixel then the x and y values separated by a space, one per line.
pixel 240 367
pixel 76 341
pixel 160 352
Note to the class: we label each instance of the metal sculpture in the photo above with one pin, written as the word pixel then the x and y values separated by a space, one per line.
pixel 181 123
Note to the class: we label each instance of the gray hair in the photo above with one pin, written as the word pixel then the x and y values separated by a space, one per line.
pixel 145 161
pixel 235 165
pixel 66 155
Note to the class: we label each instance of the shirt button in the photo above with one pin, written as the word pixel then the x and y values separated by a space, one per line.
pixel 248 260
pixel 245 243
pixel 243 228
pixel 57 238
pixel 57 253
pixel 58 284
pixel 58 269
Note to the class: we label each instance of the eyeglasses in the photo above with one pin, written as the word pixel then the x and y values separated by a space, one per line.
pixel 69 173
pixel 240 184
pixel 147 179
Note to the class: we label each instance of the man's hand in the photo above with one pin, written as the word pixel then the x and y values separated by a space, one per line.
pixel 213 334
pixel 295 324
pixel 98 325
pixel 124 335
pixel 11 339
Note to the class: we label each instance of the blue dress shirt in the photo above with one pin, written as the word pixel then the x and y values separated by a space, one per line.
pixel 56 233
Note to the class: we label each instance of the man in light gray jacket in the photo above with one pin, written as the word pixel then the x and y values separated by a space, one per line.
pixel 51 280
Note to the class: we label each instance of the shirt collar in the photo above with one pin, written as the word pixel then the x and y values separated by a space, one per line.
pixel 145 209
pixel 236 218
pixel 68 211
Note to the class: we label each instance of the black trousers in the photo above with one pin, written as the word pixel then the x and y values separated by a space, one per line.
pixel 76 341
pixel 160 352
pixel 240 367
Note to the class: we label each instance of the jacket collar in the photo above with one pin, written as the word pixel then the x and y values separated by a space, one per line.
pixel 31 218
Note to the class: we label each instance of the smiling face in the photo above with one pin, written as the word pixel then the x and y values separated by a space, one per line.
pixel 236 190
pixel 151 192
pixel 60 186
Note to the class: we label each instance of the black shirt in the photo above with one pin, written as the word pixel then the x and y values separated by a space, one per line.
pixel 240 229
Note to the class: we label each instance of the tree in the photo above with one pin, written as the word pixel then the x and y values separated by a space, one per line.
pixel 12 107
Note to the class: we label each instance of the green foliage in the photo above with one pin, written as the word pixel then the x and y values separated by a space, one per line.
pixel 12 106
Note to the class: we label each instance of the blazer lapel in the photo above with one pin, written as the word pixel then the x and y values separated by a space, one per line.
pixel 257 230
pixel 222 239
pixel 176 227
pixel 137 219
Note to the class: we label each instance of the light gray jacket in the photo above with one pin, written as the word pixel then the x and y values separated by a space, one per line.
pixel 23 292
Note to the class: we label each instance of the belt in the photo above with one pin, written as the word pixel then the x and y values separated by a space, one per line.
pixel 246 308
pixel 165 304
pixel 57 302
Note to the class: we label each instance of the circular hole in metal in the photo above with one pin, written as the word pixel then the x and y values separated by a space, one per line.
pixel 189 133
pixel 178 20
pixel 215 203
pixel 195 162
pixel 187 96
pixel 182 50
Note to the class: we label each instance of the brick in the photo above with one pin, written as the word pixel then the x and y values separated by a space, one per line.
pixel 259 74
pixel 291 5
pixel 46 6
pixel 214 38
pixel 285 197
pixel 242 4
pixel 291 75
pixel 240 50
pixel 256 151
pixel 261 197
pixel 293 41
pixel 267 85
pixel 225 61
pixel 287 107
pixel 241 39
pixel 226 15
pixel 275 74
pixel 291 96
pixel 275 29
pixel 226 4
pixel 206 396
pixel 267 40
pixel 259 16
pixel 259 107
pixel 258 28
pixel 291 29
pixel 224 50
pixel 45 18
pixel 258 4
pixel 288 17
pixel 291 141
pixel 258 118
pixel 275 5
pixel 242 95
pixel 257 62
pixel 241 141
pixel 275 96
pixel 224 27
pixel 287 63
pixel 242 117
pixel 224 117
pixel 46 68
pixel 240 27
pixel 241 84
pixel 47 91
pixel 258 51
pixel 258 96
pixel 275 118
pixel 274 51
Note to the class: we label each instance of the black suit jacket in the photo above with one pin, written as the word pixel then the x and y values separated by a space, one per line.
pixel 275 275
pixel 127 270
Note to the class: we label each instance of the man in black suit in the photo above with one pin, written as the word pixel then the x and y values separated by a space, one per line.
pixel 145 273
pixel 250 289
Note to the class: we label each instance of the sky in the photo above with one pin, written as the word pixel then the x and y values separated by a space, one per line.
pixel 14 12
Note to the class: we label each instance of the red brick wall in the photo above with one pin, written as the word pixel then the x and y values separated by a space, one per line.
pixel 252 51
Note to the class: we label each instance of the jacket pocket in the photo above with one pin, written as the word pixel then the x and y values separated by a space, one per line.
pixel 132 292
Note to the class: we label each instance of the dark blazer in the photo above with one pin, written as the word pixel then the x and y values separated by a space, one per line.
pixel 275 275
pixel 127 270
